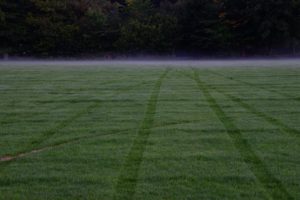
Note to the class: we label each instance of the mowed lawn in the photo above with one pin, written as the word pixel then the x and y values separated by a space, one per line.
pixel 149 133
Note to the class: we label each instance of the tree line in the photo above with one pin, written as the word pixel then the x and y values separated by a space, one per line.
pixel 163 27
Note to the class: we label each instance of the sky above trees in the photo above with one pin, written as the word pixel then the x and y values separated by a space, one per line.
pixel 159 27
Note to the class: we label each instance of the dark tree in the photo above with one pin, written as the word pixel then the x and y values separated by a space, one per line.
pixel 202 27
pixel 261 25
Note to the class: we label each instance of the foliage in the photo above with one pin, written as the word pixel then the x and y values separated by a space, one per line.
pixel 73 27
pixel 259 24
pixel 200 27
pixel 155 34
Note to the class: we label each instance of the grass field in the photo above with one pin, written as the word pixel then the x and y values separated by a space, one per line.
pixel 149 133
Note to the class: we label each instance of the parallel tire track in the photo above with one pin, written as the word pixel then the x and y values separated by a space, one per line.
pixel 271 184
pixel 127 180
pixel 287 96
pixel 282 126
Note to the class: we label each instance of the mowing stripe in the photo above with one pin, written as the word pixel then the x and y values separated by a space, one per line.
pixel 287 96
pixel 170 124
pixel 272 185
pixel 127 180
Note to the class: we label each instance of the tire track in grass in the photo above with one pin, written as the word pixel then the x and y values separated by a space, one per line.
pixel 287 96
pixel 65 122
pixel 127 180
pixel 7 159
pixel 60 106
pixel 36 144
pixel 272 185
pixel 60 143
pixel 282 126
pixel 275 122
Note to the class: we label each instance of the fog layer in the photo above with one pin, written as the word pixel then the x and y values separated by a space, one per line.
pixel 154 63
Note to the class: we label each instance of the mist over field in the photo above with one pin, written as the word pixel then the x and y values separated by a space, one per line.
pixel 156 63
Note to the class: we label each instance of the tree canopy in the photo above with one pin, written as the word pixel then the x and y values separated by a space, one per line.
pixel 199 27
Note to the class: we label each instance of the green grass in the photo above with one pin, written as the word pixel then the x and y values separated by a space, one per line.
pixel 149 133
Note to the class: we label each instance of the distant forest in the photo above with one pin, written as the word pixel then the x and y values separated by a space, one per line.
pixel 149 27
